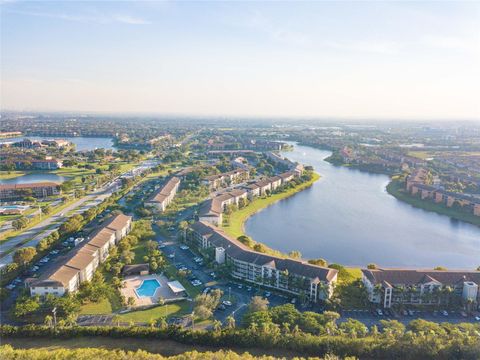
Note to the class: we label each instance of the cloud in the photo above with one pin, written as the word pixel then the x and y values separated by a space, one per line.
pixel 127 19
pixel 95 18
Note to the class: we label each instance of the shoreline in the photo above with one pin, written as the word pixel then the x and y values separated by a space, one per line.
pixel 394 188
pixel 236 227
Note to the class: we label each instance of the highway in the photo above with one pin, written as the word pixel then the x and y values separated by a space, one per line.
pixel 51 223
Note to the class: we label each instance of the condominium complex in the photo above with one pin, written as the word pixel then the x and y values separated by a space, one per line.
pixel 421 287
pixel 80 264
pixel 38 190
pixel 212 209
pixel 164 196
pixel 232 177
pixel 292 276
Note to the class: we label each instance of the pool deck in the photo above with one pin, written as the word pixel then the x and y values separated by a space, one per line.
pixel 135 281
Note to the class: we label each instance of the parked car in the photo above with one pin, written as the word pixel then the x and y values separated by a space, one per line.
pixel 444 313
pixel 171 256
pixel 379 312
pixel 267 294
pixel 227 303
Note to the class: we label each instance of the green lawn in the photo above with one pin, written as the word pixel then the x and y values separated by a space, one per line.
pixel 10 174
pixel 238 218
pixel 174 309
pixel 102 307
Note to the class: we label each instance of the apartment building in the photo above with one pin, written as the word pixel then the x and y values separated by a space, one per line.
pixel 80 264
pixel 221 180
pixel 292 276
pixel 38 190
pixel 164 196
pixel 421 287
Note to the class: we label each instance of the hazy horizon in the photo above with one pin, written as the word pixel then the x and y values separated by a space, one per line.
pixel 357 61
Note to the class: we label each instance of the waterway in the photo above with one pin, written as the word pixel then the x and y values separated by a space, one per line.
pixel 81 143
pixel 348 217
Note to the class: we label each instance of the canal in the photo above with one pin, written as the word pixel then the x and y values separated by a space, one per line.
pixel 348 217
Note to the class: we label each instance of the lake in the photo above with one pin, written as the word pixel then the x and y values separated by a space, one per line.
pixel 34 178
pixel 348 217
pixel 81 143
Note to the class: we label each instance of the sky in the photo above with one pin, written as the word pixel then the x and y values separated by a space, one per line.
pixel 379 60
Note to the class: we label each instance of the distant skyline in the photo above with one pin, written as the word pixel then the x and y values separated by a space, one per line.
pixel 368 60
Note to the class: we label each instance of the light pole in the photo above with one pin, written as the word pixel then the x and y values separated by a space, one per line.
pixel 54 311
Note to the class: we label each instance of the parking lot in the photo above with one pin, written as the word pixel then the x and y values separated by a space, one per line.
pixel 372 317
pixel 236 293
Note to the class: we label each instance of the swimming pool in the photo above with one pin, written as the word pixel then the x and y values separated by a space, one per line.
pixel 148 288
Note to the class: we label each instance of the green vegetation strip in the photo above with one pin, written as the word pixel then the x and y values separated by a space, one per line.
pixel 395 188
pixel 237 219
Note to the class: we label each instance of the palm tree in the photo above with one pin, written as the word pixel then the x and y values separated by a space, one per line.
pixel 116 319
pixel 230 322
pixel 48 321
pixel 217 325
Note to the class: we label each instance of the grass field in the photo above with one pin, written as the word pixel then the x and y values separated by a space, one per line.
pixel 10 174
pixel 102 307
pixel 395 188
pixel 175 309
pixel 237 219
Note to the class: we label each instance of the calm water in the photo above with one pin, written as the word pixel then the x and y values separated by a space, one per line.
pixel 348 217
pixel 33 178
pixel 82 143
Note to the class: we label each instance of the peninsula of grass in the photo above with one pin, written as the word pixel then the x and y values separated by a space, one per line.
pixel 10 174
pixel 396 189
pixel 237 219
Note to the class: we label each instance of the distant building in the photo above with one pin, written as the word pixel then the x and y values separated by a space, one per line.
pixel 420 287
pixel 163 197
pixel 19 191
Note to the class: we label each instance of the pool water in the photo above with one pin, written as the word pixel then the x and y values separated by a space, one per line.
pixel 148 288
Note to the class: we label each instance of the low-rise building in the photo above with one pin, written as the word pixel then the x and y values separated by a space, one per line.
pixel 289 275
pixel 164 196
pixel 80 265
pixel 420 287
pixel 225 179
pixel 38 190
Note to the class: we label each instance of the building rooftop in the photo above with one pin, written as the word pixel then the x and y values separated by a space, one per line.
pixel 237 250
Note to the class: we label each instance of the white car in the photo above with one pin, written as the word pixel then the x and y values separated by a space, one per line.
pixel 184 247
pixel 227 303
pixel 444 313
pixel 171 256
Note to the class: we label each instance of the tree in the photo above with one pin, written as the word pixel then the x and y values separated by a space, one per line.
pixel 20 223
pixel 203 312
pixel 26 306
pixel 116 319
pixel 183 226
pixel 230 322
pixel 258 304
pixel 318 262
pixel 131 301
pixel 295 254
pixel 24 255
pixel 440 268
pixel 48 321
pixel 372 266
pixel 217 325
